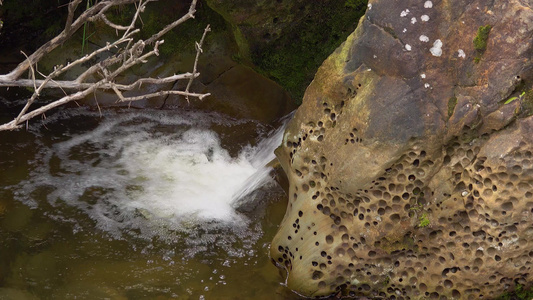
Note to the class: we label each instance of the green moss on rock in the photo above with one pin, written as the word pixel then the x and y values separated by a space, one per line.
pixel 480 41
pixel 292 60
pixel 452 102
pixel 520 293
pixel 527 103
pixel 357 4
pixel 183 37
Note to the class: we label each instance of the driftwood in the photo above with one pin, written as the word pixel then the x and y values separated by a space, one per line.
pixel 130 52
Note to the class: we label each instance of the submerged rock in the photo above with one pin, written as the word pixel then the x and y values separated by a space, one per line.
pixel 410 161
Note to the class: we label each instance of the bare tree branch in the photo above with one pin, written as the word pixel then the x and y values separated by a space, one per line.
pixel 198 51
pixel 189 15
pixel 103 74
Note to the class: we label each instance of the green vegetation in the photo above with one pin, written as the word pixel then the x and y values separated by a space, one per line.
pixel 293 58
pixel 527 103
pixel 85 37
pixel 480 41
pixel 514 98
pixel 520 293
pixel 23 26
pixel 452 102
pixel 181 39
pixel 423 220
pixel 356 4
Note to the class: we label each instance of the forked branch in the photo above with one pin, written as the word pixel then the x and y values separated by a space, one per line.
pixel 103 74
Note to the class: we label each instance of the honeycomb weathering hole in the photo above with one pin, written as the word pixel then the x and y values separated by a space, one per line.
pixel 431 225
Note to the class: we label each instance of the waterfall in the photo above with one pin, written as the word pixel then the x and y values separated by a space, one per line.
pixel 259 157
pixel 149 172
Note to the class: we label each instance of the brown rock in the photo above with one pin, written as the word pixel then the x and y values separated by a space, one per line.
pixel 409 176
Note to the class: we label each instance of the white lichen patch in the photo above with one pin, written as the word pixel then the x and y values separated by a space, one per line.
pixel 424 38
pixel 413 20
pixel 427 85
pixel 436 50
pixel 424 18
pixel 407 47
pixel 423 75
pixel 428 4
pixel 461 53
pixel 369 6
pixel 404 30
pixel 404 13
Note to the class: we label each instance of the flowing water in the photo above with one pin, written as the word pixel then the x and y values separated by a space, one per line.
pixel 137 204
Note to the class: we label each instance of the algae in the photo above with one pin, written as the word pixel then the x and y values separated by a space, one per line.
pixel 182 39
pixel 293 59
pixel 520 293
pixel 452 102
pixel 480 41
pixel 357 4
pixel 527 103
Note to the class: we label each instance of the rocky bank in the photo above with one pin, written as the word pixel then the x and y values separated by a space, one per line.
pixel 410 160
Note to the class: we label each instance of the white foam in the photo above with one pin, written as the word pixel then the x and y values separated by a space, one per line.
pixel 188 177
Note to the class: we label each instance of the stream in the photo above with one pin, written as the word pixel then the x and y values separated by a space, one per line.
pixel 139 204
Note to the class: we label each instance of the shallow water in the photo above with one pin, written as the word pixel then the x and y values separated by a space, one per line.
pixel 139 205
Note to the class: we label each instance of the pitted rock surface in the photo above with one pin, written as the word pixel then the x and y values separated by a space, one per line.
pixel 411 174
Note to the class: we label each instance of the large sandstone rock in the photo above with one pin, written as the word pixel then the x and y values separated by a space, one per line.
pixel 410 176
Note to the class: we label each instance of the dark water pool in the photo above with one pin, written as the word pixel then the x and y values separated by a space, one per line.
pixel 137 205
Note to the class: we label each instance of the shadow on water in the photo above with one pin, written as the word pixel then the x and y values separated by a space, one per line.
pixel 137 205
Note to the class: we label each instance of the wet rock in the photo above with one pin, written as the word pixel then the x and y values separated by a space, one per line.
pixel 288 39
pixel 410 176
pixel 242 93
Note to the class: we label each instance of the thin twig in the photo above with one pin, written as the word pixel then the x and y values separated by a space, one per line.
pixel 198 51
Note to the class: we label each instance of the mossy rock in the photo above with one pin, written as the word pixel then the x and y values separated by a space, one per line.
pixel 480 41
pixel 288 40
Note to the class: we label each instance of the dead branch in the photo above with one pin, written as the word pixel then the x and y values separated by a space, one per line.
pixel 103 74
pixel 198 51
